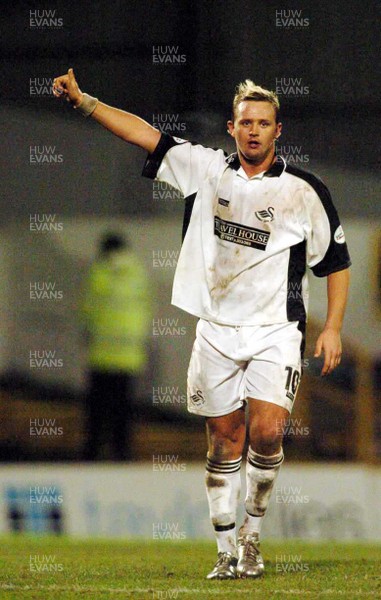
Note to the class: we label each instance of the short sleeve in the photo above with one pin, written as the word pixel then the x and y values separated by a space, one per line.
pixel 180 163
pixel 327 250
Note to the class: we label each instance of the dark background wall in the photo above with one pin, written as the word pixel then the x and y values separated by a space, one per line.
pixel 333 57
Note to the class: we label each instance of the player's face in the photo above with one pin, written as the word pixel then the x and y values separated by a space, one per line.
pixel 255 130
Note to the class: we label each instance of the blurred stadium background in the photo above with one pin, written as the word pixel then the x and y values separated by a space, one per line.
pixel 326 68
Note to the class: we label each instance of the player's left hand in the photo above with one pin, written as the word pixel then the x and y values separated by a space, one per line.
pixel 329 342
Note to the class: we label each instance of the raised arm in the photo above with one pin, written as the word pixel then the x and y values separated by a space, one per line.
pixel 329 341
pixel 125 125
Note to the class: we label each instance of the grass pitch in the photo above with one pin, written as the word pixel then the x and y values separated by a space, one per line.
pixel 49 568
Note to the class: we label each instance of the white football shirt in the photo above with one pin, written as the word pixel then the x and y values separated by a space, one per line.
pixel 247 240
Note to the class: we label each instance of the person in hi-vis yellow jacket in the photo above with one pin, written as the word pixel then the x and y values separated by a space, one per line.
pixel 116 311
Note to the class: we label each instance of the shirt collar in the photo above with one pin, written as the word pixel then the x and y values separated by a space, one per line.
pixel 275 170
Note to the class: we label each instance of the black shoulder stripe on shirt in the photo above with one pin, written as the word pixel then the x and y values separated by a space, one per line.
pixel 153 161
pixel 152 166
pixel 165 143
pixel 337 255
pixel 189 202
pixel 302 329
pixel 314 181
pixel 296 269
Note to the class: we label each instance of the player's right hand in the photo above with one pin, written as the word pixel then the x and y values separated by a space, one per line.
pixel 66 86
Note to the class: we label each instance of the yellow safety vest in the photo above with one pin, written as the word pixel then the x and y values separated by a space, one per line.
pixel 117 313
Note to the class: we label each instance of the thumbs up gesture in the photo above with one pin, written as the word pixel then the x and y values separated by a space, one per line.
pixel 66 86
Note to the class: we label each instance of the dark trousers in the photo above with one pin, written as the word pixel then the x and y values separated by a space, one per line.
pixel 109 413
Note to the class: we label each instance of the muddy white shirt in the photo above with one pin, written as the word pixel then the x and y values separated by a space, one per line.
pixel 247 240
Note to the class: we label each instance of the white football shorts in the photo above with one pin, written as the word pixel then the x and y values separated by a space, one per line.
pixel 232 363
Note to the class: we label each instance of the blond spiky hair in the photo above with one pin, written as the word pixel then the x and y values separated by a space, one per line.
pixel 247 90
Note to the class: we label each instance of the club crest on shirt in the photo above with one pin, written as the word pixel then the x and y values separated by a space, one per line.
pixel 198 398
pixel 266 214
